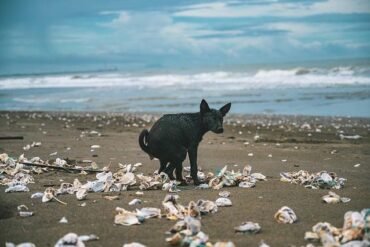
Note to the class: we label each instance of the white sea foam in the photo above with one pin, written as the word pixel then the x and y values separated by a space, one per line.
pixel 298 77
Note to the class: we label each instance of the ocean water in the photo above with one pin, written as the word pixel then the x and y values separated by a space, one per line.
pixel 328 89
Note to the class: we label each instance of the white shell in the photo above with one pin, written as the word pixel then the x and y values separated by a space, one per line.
pixel 63 220
pixel 258 176
pixel 248 227
pixel 224 193
pixel 70 240
pixel 126 219
pixel 223 202
pixel 285 215
pixel 134 244
pixel 81 194
pixel 135 202
pixel 149 212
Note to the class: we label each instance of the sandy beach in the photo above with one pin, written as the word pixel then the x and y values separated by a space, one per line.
pixel 270 144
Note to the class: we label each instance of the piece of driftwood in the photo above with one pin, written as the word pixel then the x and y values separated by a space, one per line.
pixel 69 169
pixel 11 137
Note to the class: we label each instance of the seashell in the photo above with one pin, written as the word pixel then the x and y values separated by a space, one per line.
pixel 258 176
pixel 81 194
pixel 222 171
pixel 172 208
pixel 139 193
pixel 175 239
pixel 311 236
pixel 111 198
pixel 246 184
pixel 326 227
pixel 203 186
pixel 76 184
pixel 192 224
pixel 285 215
pixel 193 210
pixel 19 208
pixel 171 187
pixel 37 195
pixel 206 206
pixel 247 170
pixel 128 179
pixel 65 188
pixel 224 244
pixel 331 198
pixel 90 237
pixel 135 202
pixel 17 188
pixel 48 194
pixel 249 227
pixel 60 162
pixel 70 240
pixel 345 199
pixel 353 220
pixel 97 186
pixel 179 226
pixel 134 244
pixel 63 220
pixel 224 193
pixel 126 219
pixel 223 202
pixel 148 212
pixel 7 244
pixel 25 214
pixel 263 244
pixel 95 146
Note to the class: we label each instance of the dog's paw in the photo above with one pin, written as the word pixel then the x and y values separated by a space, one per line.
pixel 197 182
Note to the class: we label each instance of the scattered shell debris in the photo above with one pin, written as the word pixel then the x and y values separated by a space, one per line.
pixel 354 232
pixel 285 215
pixel 322 180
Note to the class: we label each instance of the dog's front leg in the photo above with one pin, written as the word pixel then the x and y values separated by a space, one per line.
pixel 193 153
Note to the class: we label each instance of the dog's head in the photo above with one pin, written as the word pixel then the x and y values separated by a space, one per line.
pixel 212 118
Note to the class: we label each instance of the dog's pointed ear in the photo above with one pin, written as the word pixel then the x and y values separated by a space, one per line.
pixel 225 109
pixel 204 106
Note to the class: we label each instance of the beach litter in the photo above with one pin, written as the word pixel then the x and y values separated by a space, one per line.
pixel 333 198
pixel 322 180
pixel 285 215
pixel 355 231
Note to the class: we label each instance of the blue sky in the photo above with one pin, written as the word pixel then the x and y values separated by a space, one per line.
pixel 41 36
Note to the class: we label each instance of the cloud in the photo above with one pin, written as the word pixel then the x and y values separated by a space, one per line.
pixel 285 9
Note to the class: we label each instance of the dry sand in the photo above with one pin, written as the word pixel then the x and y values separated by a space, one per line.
pixel 304 149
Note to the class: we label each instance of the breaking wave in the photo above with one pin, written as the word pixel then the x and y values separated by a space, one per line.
pixel 221 80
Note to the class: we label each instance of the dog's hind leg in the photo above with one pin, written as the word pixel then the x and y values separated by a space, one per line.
pixel 163 166
pixel 179 176
pixel 169 171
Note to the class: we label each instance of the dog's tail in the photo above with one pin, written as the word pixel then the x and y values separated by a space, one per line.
pixel 143 138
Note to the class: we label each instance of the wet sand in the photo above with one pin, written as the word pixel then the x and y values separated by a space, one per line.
pixel 282 137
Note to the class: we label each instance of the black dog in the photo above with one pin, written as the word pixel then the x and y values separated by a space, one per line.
pixel 174 135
